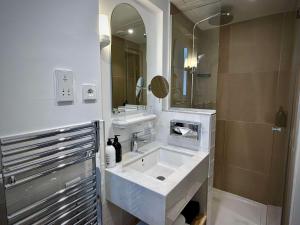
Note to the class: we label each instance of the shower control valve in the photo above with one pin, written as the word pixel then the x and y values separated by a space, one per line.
pixel 276 129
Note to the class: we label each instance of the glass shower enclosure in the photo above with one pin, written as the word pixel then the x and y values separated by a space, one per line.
pixel 242 67
pixel 195 55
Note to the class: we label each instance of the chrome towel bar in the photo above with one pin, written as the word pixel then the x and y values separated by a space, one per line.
pixel 64 157
pixel 47 133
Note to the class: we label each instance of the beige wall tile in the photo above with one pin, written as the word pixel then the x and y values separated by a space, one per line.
pixel 224 59
pixel 254 45
pixel 249 97
pixel 220 140
pixel 219 174
pixel 284 90
pixel 224 44
pixel 243 33
pixel 221 103
pixel 278 168
pixel 246 183
pixel 254 80
pixel 287 41
pixel 249 146
pixel 266 57
pixel 268 29
pixel 241 58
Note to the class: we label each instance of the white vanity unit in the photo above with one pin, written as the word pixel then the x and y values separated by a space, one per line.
pixel 156 183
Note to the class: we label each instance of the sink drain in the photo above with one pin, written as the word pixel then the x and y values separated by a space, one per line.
pixel 161 178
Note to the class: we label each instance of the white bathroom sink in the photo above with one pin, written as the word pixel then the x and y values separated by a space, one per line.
pixel 129 155
pixel 156 185
pixel 160 163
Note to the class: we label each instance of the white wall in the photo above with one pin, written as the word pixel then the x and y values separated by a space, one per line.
pixel 155 17
pixel 38 36
pixel 155 14
pixel 205 118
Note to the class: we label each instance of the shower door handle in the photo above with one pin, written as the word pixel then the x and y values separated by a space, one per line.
pixel 276 129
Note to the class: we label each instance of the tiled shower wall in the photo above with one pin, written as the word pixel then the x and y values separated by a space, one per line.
pixel 254 81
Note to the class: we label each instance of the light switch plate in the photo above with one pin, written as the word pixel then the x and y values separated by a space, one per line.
pixel 64 85
pixel 89 92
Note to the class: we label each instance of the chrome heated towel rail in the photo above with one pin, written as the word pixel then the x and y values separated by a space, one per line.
pixel 50 177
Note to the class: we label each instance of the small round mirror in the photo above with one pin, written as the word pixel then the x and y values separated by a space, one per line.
pixel 159 86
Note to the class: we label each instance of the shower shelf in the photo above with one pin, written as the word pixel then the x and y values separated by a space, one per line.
pixel 203 75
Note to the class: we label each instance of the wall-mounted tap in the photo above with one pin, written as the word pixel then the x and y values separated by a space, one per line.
pixel 137 142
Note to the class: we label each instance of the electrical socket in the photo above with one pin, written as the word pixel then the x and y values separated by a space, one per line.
pixel 64 85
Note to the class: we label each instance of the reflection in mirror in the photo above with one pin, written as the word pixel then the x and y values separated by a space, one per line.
pixel 195 54
pixel 159 87
pixel 128 58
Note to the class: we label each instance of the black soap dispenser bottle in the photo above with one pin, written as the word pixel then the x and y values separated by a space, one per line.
pixel 118 148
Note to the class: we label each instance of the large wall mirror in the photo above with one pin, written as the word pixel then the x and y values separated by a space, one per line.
pixel 128 58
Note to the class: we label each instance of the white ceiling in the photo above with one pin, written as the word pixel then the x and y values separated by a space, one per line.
pixel 126 17
pixel 243 10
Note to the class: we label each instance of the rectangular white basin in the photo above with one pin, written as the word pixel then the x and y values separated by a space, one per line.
pixel 160 163
pixel 156 185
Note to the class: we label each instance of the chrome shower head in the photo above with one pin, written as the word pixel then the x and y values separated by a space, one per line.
pixel 223 18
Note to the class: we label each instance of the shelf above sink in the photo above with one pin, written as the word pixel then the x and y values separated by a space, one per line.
pixel 132 120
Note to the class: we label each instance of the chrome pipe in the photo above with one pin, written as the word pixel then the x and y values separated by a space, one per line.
pixel 93 214
pixel 77 188
pixel 32 147
pixel 34 165
pixel 51 209
pixel 3 208
pixel 92 221
pixel 44 134
pixel 20 160
pixel 9 185
pixel 86 213
pixel 55 217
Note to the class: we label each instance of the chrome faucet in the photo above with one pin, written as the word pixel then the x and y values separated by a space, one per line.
pixel 135 140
